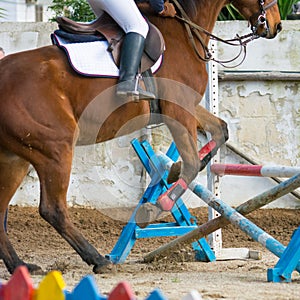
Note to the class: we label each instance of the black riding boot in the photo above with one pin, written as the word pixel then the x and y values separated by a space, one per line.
pixel 131 54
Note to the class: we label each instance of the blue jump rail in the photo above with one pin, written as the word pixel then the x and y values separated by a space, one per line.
pixel 243 223
pixel 289 256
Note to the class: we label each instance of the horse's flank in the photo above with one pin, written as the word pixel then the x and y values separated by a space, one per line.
pixel 46 108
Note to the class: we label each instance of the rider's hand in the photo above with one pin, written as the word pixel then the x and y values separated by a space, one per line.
pixel 169 10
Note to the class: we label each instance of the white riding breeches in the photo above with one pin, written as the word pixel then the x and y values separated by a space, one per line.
pixel 124 12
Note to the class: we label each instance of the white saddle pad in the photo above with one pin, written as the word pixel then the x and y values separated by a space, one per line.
pixel 93 59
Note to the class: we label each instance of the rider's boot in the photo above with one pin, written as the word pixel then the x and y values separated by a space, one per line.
pixel 131 54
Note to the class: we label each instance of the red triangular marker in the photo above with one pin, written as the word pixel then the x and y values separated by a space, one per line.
pixel 19 287
pixel 122 291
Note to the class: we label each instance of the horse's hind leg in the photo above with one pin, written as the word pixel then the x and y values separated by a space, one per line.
pixel 12 171
pixel 54 179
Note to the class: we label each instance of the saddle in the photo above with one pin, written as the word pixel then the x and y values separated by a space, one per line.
pixel 106 28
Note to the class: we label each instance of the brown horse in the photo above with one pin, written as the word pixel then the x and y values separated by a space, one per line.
pixel 46 109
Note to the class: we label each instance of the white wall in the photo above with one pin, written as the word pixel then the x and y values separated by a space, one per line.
pixel 263 119
pixel 263 116
pixel 16 37
pixel 20 11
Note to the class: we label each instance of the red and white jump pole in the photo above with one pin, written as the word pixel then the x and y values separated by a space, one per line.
pixel 254 170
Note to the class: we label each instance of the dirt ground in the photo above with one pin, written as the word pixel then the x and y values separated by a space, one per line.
pixel 176 276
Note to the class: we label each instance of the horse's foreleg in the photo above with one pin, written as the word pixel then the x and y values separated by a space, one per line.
pixel 206 122
pixel 12 171
pixel 184 134
pixel 54 179
pixel 193 161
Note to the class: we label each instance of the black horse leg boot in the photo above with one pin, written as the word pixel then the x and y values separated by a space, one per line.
pixel 131 54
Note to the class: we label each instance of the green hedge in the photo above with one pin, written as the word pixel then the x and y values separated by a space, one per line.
pixel 79 10
pixel 230 13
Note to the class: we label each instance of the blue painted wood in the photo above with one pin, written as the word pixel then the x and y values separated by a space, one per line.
pixel 239 220
pixel 156 295
pixel 163 231
pixel 202 248
pixel 128 237
pixel 184 221
pixel 179 211
pixel 282 272
pixel 158 225
pixel 68 295
pixel 157 171
pixel 87 289
pixel 124 244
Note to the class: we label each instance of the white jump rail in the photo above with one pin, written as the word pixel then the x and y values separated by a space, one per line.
pixel 215 170
pixel 254 170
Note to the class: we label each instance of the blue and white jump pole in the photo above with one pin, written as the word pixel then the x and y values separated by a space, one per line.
pixel 239 220
pixel 234 217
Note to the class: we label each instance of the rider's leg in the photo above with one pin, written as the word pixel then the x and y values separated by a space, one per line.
pixel 132 50
pixel 129 18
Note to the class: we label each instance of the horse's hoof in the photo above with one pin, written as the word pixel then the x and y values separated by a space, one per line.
pixel 35 269
pixel 146 214
pixel 106 268
pixel 174 172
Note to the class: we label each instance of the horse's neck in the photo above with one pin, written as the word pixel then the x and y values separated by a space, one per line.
pixel 208 12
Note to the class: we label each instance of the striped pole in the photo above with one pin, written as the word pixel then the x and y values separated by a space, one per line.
pixel 254 170
pixel 249 206
pixel 239 220
pixel 232 215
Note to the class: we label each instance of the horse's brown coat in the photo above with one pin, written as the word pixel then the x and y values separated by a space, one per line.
pixel 46 108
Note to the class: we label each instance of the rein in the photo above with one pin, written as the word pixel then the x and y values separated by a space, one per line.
pixel 194 31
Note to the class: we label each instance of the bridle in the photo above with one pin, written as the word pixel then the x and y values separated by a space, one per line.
pixel 194 32
pixel 262 19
